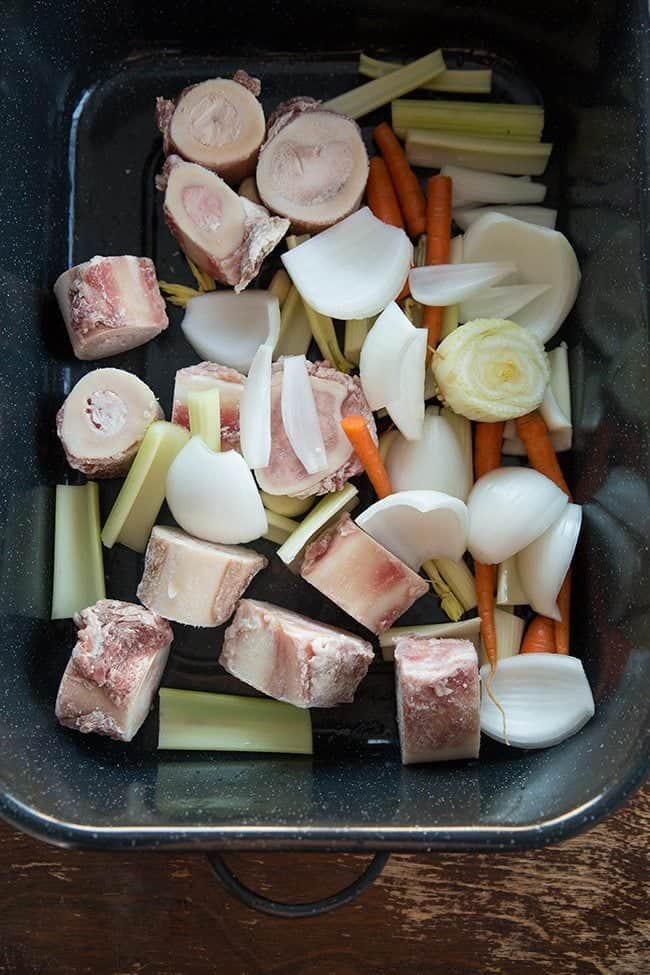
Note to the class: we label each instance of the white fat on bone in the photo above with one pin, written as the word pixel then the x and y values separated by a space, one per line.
pixel 293 658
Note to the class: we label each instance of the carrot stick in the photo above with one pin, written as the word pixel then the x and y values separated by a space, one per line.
pixel 534 433
pixel 484 576
pixel 488 440
pixel 357 432
pixel 438 233
pixel 562 626
pixel 381 195
pixel 540 636
pixel 405 182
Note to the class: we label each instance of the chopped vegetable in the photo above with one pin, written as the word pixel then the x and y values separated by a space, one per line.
pixel 205 416
pixel 544 563
pixel 491 369
pixel 351 270
pixel 481 119
pixel 509 589
pixel 437 248
pixel 319 518
pixel 437 149
pixel 280 286
pixel 202 278
pixel 282 504
pixel 463 630
pixel 541 216
pixel 381 356
pixel 198 720
pixel 407 410
pixel 356 331
pixel 540 636
pixel 460 580
pixel 296 329
pixel 178 294
pixel 563 625
pixel 248 188
pixel 381 195
pixel 487 458
pixel 449 320
pixel 440 460
pixel 500 302
pixel 366 98
pixel 255 410
pixel 78 579
pixel 228 328
pixel 472 81
pixel 300 417
pixel 509 630
pixel 405 182
pixel 447 284
pixel 280 528
pixel 534 434
pixel 141 496
pixel 449 603
pixel 475 187
pixel 357 432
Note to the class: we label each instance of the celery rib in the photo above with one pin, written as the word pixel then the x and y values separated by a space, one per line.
pixel 204 407
pixel 318 518
pixel 472 81
pixel 434 150
pixel 78 562
pixel 366 98
pixel 463 630
pixel 520 122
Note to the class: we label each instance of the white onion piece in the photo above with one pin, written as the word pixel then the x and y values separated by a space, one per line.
pixel 474 186
pixel 407 411
pixel 381 355
pixel 545 696
pixel 438 461
pixel 255 410
pixel 500 302
pixel 446 284
pixel 543 564
pixel 464 217
pixel 508 509
pixel 353 269
pixel 214 496
pixel 228 328
pixel 300 416
pixel 543 257
pixel 418 525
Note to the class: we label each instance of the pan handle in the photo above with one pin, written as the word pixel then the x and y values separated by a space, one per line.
pixel 310 909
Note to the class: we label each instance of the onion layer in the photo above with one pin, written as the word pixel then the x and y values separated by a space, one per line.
pixel 438 461
pixel 228 328
pixel 255 410
pixel 545 562
pixel 300 416
pixel 445 284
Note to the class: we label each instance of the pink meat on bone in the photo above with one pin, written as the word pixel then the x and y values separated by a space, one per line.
pixel 292 658
pixel 115 668
pixel 335 395
pixel 110 305
pixel 226 235
pixel 210 375
pixel 438 699
pixel 353 570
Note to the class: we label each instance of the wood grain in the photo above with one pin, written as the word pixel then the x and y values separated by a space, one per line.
pixel 579 908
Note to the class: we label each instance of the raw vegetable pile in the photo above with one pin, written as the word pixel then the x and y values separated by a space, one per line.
pixel 444 371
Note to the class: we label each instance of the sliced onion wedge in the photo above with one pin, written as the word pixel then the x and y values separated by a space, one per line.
pixel 544 563
pixel 446 284
pixel 474 186
pixel 228 328
pixel 300 416
pixel 381 355
pixel 255 410
pixel 545 696
pixel 407 411
pixel 418 525
pixel 438 461
pixel 464 217
pixel 509 508
pixel 501 302
pixel 352 270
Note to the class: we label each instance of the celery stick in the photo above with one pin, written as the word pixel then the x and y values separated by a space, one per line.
pixel 204 406
pixel 356 330
pixel 202 278
pixel 280 528
pixel 137 505
pixel 366 98
pixel 319 518
pixel 506 156
pixel 510 630
pixel 295 328
pixel 510 591
pixel 460 580
pixel 198 720
pixel 463 630
pixel 178 294
pixel 282 504
pixel 78 561
pixel 448 601
pixel 475 81
pixel 280 286
pixel 520 122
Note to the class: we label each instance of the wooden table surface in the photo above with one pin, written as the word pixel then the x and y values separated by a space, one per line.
pixel 581 907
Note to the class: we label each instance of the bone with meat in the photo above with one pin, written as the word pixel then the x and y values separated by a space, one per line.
pixel 103 420
pixel 293 658
pixel 353 570
pixel 195 582
pixel 335 395
pixel 225 235
pixel 110 305
pixel 115 668
pixel 438 699
pixel 210 375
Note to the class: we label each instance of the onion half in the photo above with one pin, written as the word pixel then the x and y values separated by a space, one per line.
pixel 544 563
pixel 438 461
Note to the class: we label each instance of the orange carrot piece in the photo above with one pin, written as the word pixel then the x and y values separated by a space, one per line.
pixel 540 636
pixel 562 626
pixel 484 577
pixel 438 234
pixel 488 441
pixel 357 432
pixel 405 182
pixel 405 292
pixel 381 195
pixel 534 434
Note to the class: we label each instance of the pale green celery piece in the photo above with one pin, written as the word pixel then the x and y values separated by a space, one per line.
pixel 318 518
pixel 356 331
pixel 433 150
pixel 454 80
pixel 78 562
pixel 204 406
pixel 510 591
pixel 460 580
pixel 198 720
pixel 509 630
pixel 137 505
pixel 178 294
pixel 449 604
pixel 449 322
pixel 280 286
pixel 295 328
pixel 202 278
pixel 463 630
pixel 483 119
pixel 421 251
pixel 282 504
pixel 280 528
pixel 366 98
